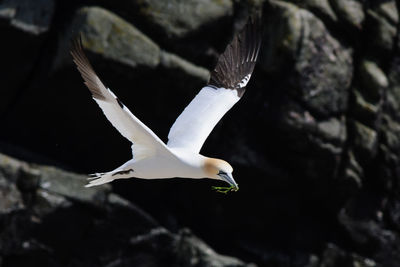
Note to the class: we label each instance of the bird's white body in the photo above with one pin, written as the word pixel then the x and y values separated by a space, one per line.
pixel 180 157
pixel 178 163
pixel 152 159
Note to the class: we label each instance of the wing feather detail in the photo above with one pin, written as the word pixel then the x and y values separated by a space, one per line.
pixel 236 64
pixel 145 141
pixel 195 123
pixel 226 86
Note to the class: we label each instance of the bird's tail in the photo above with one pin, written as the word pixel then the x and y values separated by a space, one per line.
pixel 100 178
pixel 106 177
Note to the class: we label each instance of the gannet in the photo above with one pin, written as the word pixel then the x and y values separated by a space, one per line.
pixel 180 157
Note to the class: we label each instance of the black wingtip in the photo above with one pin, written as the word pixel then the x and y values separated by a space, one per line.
pixel 76 44
pixel 236 64
pixel 85 68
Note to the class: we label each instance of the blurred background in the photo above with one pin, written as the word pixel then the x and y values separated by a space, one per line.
pixel 314 142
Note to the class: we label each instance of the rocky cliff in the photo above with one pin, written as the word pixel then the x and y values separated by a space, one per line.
pixel 315 140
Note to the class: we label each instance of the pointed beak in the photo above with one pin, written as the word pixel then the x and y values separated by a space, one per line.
pixel 228 178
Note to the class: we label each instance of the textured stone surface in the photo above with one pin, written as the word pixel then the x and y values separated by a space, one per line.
pixel 283 27
pixel 10 197
pixel 318 72
pixel 364 110
pixel 389 10
pixel 26 16
pixel 126 60
pixel 365 139
pixel 195 29
pixel 350 11
pixel 113 38
pixel 323 67
pixel 382 28
pixel 321 8
pixel 314 142
pixel 63 215
pixel 179 18
pixel 107 34
pixel 334 256
pixel 373 80
pixel 24 25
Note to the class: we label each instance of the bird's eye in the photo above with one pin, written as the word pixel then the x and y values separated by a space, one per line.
pixel 222 173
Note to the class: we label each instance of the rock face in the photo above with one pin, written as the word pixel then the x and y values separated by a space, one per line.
pixel 315 141
pixel 25 25
pixel 48 218
pixel 317 89
pixel 178 18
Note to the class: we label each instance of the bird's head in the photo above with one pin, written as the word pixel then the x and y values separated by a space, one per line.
pixel 219 169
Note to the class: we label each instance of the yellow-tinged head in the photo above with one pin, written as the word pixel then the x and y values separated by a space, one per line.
pixel 219 169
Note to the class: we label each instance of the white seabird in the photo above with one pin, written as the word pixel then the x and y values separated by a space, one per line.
pixel 180 156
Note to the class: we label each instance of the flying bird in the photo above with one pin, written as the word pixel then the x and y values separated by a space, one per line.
pixel 180 157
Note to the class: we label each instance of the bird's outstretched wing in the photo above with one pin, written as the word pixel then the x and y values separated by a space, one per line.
pixel 226 86
pixel 145 142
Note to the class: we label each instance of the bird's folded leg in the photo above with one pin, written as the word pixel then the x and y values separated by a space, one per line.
pixel 94 176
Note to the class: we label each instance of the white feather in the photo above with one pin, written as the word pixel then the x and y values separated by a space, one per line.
pixel 145 142
pixel 195 123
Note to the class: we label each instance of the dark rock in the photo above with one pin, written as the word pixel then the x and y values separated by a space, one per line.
pixel 335 256
pixel 318 72
pixel 368 231
pixel 65 216
pixel 324 69
pixel 178 65
pixel 176 19
pixel 10 197
pixel 389 150
pixel 365 111
pixel 388 9
pixel 28 180
pixel 321 75
pixel 373 80
pixel 315 140
pixel 107 34
pixel 322 9
pixel 110 37
pixel 192 29
pixel 381 28
pixel 189 250
pixel 32 19
pixel 119 53
pixel 24 24
pixel 283 28
pixel 350 11
pixel 309 136
pixel 365 141
pixel 353 173
pixel 114 39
